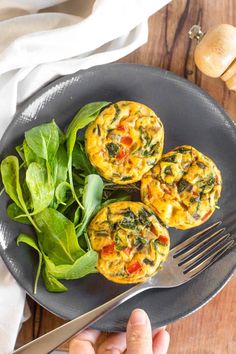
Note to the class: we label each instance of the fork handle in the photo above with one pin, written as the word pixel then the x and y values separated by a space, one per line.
pixel 51 340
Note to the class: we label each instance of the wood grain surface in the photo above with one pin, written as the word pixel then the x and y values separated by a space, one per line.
pixel 212 329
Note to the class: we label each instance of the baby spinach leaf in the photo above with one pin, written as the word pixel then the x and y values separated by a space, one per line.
pixel 63 193
pixel 40 185
pixel 81 267
pixel 44 140
pixel 80 160
pixel 11 181
pixel 51 283
pixel 15 213
pixel 57 237
pixel 112 149
pixel 10 178
pixel 31 242
pixel 20 151
pixel 30 156
pixel 77 215
pixel 92 198
pixel 86 114
pixel 59 166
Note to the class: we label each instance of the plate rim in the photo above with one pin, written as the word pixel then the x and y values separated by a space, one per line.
pixel 164 74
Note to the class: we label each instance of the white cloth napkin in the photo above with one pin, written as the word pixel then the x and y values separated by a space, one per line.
pixel 41 40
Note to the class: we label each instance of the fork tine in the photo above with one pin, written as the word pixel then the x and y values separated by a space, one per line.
pixel 183 245
pixel 190 261
pixel 197 246
pixel 207 262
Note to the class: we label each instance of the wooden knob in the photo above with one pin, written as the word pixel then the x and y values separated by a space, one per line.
pixel 215 54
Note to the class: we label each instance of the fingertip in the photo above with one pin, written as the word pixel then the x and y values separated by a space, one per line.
pixel 157 330
pixel 84 342
pixel 138 317
pixel 161 342
pixel 139 333
pixel 77 346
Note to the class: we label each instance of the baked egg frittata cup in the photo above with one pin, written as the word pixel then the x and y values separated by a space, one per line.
pixel 183 188
pixel 124 141
pixel 130 241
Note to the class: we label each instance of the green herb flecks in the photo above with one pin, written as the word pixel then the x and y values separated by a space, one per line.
pixel 201 165
pixel 183 150
pixel 112 149
pixel 117 114
pixel 169 158
pixel 143 217
pixel 183 185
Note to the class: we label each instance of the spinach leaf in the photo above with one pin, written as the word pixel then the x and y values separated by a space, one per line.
pixel 92 198
pixel 15 213
pixel 143 217
pixel 63 193
pixel 44 140
pixel 112 149
pixel 57 238
pixel 51 283
pixel 20 151
pixel 31 242
pixel 59 166
pixel 116 116
pixel 11 181
pixel 86 114
pixel 183 185
pixel 130 220
pixel 40 185
pixel 81 267
pixel 170 158
pixel 77 215
pixel 30 156
pixel 201 165
pixel 80 160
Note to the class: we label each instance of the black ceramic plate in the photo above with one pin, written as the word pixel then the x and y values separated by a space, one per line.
pixel 190 117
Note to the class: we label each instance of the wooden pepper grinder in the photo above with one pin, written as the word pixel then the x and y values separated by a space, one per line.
pixel 215 53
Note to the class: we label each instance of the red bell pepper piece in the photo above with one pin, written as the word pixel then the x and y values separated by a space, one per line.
pixel 134 267
pixel 121 154
pixel 109 249
pixel 163 239
pixel 126 140
pixel 121 128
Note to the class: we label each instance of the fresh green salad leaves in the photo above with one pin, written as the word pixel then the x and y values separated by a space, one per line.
pixel 40 185
pixel 31 242
pixel 57 191
pixel 44 140
pixel 86 115
pixel 92 199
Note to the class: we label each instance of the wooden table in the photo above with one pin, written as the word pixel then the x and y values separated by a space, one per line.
pixel 212 329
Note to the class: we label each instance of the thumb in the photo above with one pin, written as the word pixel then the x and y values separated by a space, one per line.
pixel 139 333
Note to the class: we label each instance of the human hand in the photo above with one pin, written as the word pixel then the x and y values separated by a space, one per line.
pixel 139 339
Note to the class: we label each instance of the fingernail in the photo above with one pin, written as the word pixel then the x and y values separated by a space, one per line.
pixel 138 317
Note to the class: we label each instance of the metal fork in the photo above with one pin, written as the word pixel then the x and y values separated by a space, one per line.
pixel 185 261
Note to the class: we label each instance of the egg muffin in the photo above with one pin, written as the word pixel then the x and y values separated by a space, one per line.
pixel 124 141
pixel 130 241
pixel 183 188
